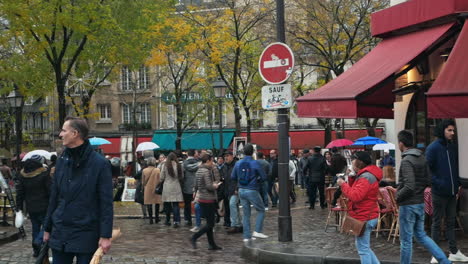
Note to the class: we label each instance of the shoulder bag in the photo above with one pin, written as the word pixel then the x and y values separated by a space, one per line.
pixel 353 226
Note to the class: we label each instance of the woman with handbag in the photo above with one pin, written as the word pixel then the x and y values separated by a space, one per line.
pixel 362 194
pixel 206 186
pixel 172 175
pixel 150 180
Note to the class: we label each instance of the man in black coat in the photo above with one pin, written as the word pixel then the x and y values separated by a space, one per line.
pixel 80 213
pixel 316 168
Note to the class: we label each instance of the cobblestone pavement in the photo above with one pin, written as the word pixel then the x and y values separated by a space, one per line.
pixel 144 243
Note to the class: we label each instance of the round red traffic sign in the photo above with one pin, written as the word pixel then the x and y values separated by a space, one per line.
pixel 276 63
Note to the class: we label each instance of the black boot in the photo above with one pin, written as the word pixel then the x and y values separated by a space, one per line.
pixel 156 214
pixel 36 249
pixel 150 213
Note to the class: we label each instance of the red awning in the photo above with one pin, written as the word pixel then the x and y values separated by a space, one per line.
pixel 112 149
pixel 448 96
pixel 365 90
pixel 302 139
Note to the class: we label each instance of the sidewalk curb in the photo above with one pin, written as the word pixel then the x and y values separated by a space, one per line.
pixel 11 236
pixel 260 256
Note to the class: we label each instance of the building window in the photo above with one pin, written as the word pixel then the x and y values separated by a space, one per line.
pixel 105 111
pixel 145 116
pixel 126 114
pixel 143 78
pixel 215 115
pixel 126 79
pixel 201 115
pixel 170 116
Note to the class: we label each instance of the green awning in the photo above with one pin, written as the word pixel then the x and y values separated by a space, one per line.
pixel 193 139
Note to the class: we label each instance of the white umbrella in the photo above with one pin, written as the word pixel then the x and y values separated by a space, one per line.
pixel 43 153
pixel 386 146
pixel 146 146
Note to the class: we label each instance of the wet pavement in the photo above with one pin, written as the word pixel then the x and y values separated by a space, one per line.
pixel 144 243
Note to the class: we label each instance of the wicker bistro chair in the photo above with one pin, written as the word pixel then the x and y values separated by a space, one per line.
pixel 395 226
pixel 386 210
pixel 338 213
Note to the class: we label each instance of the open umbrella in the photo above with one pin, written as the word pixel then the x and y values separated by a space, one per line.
pixel 96 141
pixel 386 146
pixel 339 143
pixel 368 141
pixel 44 153
pixel 146 146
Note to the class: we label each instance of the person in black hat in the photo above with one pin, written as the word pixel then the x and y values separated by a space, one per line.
pixel 33 187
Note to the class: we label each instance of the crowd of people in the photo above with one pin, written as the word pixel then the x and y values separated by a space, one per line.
pixel 70 202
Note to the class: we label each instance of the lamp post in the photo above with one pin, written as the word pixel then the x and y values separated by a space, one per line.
pixel 15 99
pixel 219 87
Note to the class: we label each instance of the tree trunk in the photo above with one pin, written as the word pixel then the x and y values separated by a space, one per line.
pixel 179 131
pixel 61 102
pixel 249 122
pixel 328 134
pixel 237 117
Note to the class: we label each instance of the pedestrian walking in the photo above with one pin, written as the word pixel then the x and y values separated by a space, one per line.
pixel 414 177
pixel 172 175
pixel 190 168
pixel 249 176
pixel 232 193
pixel 362 194
pixel 206 186
pixel 80 214
pixel 273 177
pixel 151 178
pixel 264 184
pixel 316 168
pixel 442 157
pixel 33 187
pixel 140 190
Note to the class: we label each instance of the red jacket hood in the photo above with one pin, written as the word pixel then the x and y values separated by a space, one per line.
pixel 376 171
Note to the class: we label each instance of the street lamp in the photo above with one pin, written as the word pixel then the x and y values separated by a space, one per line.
pixel 15 99
pixel 219 87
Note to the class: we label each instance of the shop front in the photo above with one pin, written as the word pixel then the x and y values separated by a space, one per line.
pixel 416 75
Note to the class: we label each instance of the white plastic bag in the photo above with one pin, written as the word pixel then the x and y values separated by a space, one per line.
pixel 19 219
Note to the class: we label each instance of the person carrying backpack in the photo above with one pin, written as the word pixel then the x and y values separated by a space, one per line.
pixel 250 176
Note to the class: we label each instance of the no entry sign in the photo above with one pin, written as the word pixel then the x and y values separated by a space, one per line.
pixel 276 63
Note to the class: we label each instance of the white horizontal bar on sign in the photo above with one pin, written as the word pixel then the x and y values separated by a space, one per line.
pixel 276 63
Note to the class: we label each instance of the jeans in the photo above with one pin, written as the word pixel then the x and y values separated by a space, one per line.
pixel 174 207
pixel 197 215
pixel 444 206
pixel 37 220
pixel 412 223
pixel 366 254
pixel 227 211
pixel 208 211
pixel 188 197
pixel 234 208
pixel 264 193
pixel 60 257
pixel 248 197
pixel 272 193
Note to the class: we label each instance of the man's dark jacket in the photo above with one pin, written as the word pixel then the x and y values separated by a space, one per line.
pixel 80 208
pixel 230 185
pixel 316 166
pixel 442 157
pixel 274 170
pixel 414 178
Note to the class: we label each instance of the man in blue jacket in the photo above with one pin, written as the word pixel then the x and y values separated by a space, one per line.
pixel 249 175
pixel 80 213
pixel 442 158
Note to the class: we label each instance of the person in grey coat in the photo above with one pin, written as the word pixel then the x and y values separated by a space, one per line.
pixel 172 175
pixel 414 178
pixel 190 168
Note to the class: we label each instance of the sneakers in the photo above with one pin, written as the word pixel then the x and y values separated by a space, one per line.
pixel 266 208
pixel 259 235
pixel 458 257
pixel 249 239
pixel 195 229
pixel 434 261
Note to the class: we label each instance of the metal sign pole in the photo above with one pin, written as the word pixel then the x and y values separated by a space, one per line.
pixel 284 216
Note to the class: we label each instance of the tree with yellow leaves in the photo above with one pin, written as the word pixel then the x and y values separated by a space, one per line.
pixel 331 35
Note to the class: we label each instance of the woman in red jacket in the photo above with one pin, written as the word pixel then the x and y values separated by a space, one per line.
pixel 362 194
